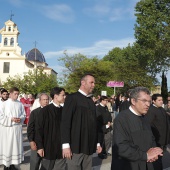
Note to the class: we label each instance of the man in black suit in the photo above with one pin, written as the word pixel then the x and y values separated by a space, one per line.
pixel 79 126
pixel 104 121
pixel 126 103
pixel 34 158
pixel 159 122
pixel 133 141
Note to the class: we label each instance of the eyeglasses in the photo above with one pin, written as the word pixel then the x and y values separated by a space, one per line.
pixel 145 101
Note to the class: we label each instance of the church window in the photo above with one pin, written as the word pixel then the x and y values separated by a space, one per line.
pixel 5 41
pixel 9 29
pixel 6 67
pixel 12 42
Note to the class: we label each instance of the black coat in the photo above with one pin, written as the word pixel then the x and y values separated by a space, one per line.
pixel 159 122
pixel 31 124
pixel 48 135
pixel 124 105
pixel 79 124
pixel 103 117
pixel 132 138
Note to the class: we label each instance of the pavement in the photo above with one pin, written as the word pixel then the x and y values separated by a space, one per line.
pixel 98 164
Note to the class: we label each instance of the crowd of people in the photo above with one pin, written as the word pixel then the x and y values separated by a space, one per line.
pixel 64 130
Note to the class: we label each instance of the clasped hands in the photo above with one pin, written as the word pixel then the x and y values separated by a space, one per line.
pixel 16 120
pixel 153 153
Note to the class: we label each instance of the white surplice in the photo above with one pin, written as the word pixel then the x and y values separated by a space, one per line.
pixel 11 140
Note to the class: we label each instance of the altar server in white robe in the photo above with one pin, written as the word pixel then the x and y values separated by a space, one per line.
pixel 12 116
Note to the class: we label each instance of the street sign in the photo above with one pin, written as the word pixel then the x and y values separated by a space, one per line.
pixel 103 93
pixel 115 84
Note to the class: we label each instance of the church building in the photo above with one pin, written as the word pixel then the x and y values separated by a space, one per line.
pixel 12 61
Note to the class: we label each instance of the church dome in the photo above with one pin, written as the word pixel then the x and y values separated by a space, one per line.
pixel 35 55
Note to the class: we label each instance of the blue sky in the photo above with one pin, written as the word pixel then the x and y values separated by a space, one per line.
pixel 89 27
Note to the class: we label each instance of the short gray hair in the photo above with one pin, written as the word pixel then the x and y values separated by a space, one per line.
pixel 41 94
pixel 134 94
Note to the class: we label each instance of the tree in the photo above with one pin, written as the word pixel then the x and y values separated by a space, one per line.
pixel 152 32
pixel 164 88
pixel 33 82
pixel 127 68
pixel 102 71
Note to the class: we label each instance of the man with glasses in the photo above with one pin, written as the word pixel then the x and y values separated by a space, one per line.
pixel 134 146
pixel 159 121
pixel 35 160
pixel 104 121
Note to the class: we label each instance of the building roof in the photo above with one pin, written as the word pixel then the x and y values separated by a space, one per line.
pixel 35 55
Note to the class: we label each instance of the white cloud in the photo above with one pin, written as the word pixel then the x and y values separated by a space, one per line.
pixel 100 48
pixel 111 10
pixel 61 12
pixel 17 3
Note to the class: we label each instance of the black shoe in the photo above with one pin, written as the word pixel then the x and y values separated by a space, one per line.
pixel 6 168
pixel 12 167
pixel 102 156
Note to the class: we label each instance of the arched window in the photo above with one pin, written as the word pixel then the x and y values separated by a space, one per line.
pixel 9 28
pixel 5 41
pixel 12 42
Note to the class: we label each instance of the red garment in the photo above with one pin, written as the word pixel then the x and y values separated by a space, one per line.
pixel 27 104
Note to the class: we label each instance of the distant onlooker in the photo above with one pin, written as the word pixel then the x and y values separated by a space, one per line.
pixel 168 107
pixel 4 95
pixel 125 104
pixel 104 121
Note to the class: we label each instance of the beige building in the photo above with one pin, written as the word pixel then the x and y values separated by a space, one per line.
pixel 12 62
pixel 156 89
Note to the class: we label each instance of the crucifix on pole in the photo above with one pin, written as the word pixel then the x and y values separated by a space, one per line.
pixel 11 16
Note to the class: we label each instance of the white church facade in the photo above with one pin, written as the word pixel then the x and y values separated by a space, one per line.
pixel 12 62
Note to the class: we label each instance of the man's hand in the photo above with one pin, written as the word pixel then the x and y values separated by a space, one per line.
pixel 109 124
pixel 153 154
pixel 15 119
pixel 99 149
pixel 33 145
pixel 41 152
pixel 67 153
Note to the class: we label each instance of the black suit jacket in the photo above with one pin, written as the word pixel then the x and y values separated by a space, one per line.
pixel 31 125
pixel 159 122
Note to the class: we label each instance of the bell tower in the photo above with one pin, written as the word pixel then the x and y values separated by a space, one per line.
pixel 9 39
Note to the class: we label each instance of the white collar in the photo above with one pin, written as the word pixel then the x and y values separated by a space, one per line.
pixel 56 105
pixel 82 92
pixel 102 105
pixel 155 105
pixel 130 108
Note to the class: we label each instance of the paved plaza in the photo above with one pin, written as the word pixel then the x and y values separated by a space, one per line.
pixel 98 164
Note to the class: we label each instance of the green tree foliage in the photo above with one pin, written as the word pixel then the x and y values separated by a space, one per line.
pixel 34 82
pixel 164 88
pixel 102 71
pixel 126 67
pixel 152 32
